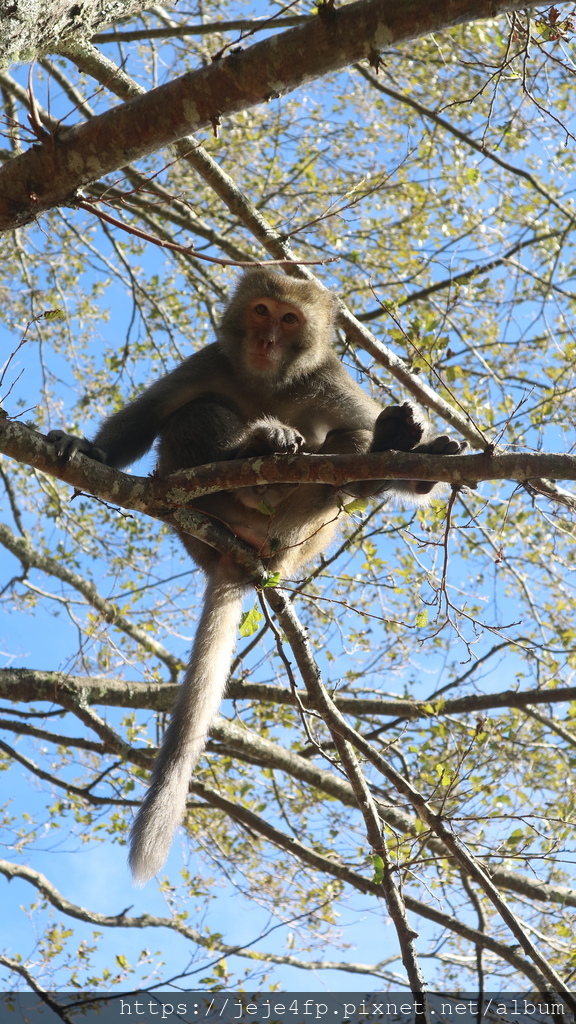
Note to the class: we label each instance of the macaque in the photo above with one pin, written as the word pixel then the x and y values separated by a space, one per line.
pixel 270 384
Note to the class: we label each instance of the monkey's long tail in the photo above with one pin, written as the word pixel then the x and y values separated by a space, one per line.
pixel 196 707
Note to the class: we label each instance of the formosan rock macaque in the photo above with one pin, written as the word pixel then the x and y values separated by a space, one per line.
pixel 270 384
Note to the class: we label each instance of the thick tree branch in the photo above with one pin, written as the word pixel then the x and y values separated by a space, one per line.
pixel 30 28
pixel 89 60
pixel 175 211
pixel 25 684
pixel 51 172
pixel 157 496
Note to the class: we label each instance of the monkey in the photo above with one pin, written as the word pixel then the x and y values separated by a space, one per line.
pixel 271 383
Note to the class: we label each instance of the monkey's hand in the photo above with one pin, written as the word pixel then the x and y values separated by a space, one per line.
pixel 269 437
pixel 67 446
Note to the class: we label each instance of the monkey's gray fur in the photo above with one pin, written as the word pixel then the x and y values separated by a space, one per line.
pixel 270 383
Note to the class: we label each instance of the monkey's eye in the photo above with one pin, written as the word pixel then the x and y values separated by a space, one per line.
pixel 290 318
pixel 261 309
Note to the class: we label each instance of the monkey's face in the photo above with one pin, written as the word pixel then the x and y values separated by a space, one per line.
pixel 275 332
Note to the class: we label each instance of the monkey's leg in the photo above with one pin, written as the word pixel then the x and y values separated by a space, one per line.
pixel 196 708
pixel 402 428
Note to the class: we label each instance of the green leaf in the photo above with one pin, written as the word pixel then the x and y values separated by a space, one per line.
pixel 53 314
pixel 378 865
pixel 250 621
pixel 272 579
pixel 265 509
pixel 357 505
pixel 446 775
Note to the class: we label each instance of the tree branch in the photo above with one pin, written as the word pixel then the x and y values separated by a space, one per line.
pixel 27 684
pixel 23 549
pixel 50 173
pixel 209 941
pixel 249 25
pixel 34 686
pixel 80 791
pixel 319 861
pixel 457 848
pixel 156 496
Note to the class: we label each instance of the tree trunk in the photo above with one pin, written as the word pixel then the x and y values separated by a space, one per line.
pixel 29 29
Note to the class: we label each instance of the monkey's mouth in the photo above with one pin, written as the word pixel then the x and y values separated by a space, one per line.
pixel 263 356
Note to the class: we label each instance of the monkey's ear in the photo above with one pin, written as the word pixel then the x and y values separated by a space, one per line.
pixel 68 445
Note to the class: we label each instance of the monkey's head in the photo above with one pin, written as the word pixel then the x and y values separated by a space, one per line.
pixel 276 328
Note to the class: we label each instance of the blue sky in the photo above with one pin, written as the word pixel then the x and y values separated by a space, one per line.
pixel 95 875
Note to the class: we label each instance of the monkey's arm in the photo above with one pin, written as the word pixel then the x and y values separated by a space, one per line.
pixel 129 433
pixel 348 412
pixel 124 436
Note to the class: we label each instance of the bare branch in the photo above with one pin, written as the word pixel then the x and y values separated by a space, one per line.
pixel 25 729
pixel 154 495
pixel 80 791
pixel 209 941
pixel 320 862
pixel 467 139
pixel 201 29
pixel 246 744
pixel 29 556
pixel 29 684
pixel 471 865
